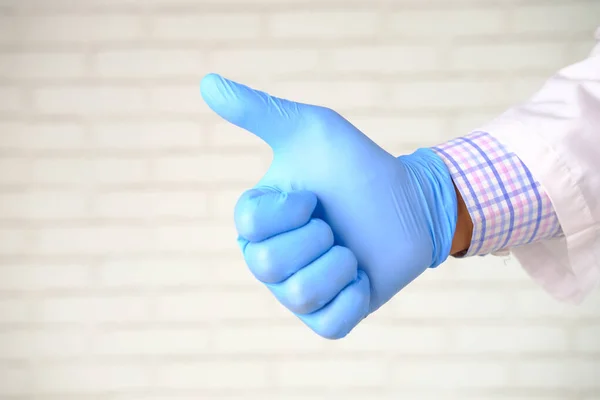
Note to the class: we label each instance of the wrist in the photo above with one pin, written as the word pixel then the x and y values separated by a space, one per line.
pixel 438 197
pixel 464 228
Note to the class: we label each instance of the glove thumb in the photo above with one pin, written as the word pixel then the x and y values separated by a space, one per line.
pixel 272 119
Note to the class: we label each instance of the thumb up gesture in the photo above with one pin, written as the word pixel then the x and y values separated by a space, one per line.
pixel 337 226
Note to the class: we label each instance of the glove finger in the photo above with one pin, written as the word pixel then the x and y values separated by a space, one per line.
pixel 344 312
pixel 272 119
pixel 315 285
pixel 264 212
pixel 275 259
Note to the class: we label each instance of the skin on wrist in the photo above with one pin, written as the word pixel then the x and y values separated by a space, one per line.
pixel 464 228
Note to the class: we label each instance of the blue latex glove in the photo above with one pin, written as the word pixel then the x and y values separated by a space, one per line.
pixel 337 226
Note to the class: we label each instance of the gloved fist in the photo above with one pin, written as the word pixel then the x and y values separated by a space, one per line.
pixel 337 226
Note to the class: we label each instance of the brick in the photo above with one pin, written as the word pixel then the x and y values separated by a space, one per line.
pixel 167 6
pixel 42 205
pixel 222 305
pixel 383 59
pixel 387 131
pixel 170 396
pixel 15 241
pixel 132 63
pixel 517 397
pixel 581 50
pixel 149 204
pixel 78 28
pixel 147 135
pixel 535 303
pixel 62 5
pixel 83 378
pixel 11 99
pixel 210 168
pixel 449 94
pixel 207 26
pixel 448 374
pixel 291 393
pixel 14 311
pixel 224 134
pixel 509 57
pixel 475 271
pixel 8 28
pixel 505 340
pixel 385 338
pixel 178 99
pixel 93 309
pixel 150 342
pixel 43 276
pixel 176 271
pixel 323 25
pixel 93 100
pixel 42 65
pixel 467 122
pixel 337 95
pixel 80 170
pixel 524 88
pixel 555 374
pixel 117 170
pixel 556 18
pixel 14 170
pixel 415 394
pixel 92 240
pixel 229 271
pixel 325 373
pixel 223 204
pixel 21 344
pixel 261 340
pixel 264 61
pixel 213 375
pixel 207 238
pixel 252 394
pixel 450 304
pixel 41 136
pixel 444 23
pixel 16 380
pixel 586 339
pixel 174 395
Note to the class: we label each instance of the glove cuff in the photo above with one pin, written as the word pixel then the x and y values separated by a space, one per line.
pixel 439 196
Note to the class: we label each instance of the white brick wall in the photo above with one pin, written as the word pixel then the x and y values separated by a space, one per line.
pixel 120 278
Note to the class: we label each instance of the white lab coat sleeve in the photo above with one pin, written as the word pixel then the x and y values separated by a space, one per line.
pixel 556 133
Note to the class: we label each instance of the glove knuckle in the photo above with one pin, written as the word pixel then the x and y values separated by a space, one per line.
pixel 247 226
pixel 252 214
pixel 301 298
pixel 331 330
pixel 346 258
pixel 247 221
pixel 323 230
pixel 261 261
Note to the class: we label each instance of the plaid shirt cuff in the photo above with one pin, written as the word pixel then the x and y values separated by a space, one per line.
pixel 508 206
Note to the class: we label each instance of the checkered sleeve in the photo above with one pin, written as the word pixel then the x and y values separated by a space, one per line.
pixel 508 206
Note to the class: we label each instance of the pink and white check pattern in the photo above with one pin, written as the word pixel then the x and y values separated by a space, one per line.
pixel 508 206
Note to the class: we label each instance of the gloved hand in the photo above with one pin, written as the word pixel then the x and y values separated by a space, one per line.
pixel 337 226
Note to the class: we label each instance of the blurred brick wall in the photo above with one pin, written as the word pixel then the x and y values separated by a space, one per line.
pixel 120 278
